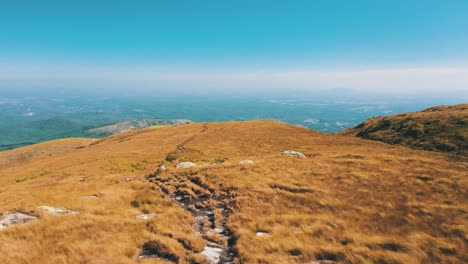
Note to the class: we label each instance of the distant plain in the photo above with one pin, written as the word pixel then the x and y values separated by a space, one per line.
pixel 26 120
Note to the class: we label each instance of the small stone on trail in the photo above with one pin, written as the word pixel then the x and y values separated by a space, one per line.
pixel 219 230
pixel 211 254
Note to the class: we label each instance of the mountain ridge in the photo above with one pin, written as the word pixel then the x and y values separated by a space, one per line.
pixel 440 128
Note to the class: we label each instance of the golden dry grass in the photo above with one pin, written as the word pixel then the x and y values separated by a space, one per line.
pixel 50 148
pixel 351 200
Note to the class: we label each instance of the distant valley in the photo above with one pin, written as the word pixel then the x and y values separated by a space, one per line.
pixel 28 120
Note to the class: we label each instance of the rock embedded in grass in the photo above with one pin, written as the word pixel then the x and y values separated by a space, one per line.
pixel 15 218
pixel 185 164
pixel 246 161
pixel 262 234
pixel 57 211
pixel 146 216
pixel 293 153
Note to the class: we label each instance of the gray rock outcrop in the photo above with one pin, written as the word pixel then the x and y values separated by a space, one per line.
pixel 14 218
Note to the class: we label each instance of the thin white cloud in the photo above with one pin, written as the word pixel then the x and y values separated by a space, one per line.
pixel 382 79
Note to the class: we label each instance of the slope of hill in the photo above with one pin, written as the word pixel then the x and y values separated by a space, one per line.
pixel 13 157
pixel 350 200
pixel 441 128
pixel 132 125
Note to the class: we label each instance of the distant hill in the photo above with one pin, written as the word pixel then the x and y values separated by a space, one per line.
pixel 440 128
pixel 132 125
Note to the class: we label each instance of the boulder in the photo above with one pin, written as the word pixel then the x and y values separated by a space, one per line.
pixel 293 154
pixel 185 164
pixel 246 162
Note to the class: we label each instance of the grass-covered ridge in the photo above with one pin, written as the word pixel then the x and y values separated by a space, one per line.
pixel 440 128
pixel 350 200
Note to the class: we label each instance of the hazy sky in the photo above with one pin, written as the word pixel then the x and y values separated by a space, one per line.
pixel 398 45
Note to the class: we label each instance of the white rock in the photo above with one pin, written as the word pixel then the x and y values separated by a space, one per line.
pixel 211 254
pixel 145 216
pixel 219 230
pixel 54 210
pixel 162 167
pixel 185 164
pixel 293 153
pixel 262 234
pixel 14 218
pixel 246 162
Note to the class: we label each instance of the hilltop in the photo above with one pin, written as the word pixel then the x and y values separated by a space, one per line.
pixel 122 199
pixel 440 128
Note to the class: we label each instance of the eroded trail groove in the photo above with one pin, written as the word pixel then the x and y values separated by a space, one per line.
pixel 209 206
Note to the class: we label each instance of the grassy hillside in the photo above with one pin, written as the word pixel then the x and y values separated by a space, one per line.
pixel 56 147
pixel 350 200
pixel 441 128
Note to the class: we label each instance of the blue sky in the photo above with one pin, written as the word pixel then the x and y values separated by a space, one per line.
pixel 420 44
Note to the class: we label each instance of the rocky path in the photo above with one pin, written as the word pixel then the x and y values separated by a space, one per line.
pixel 210 210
